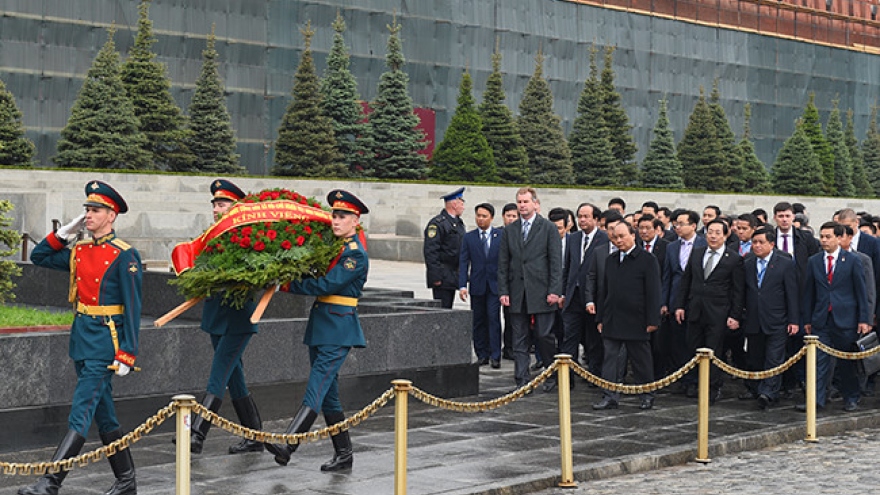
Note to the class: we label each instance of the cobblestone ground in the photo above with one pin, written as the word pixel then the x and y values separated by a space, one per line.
pixel 840 465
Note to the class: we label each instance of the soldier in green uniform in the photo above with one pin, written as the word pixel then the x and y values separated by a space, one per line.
pixel 443 236
pixel 106 292
pixel 332 331
pixel 230 330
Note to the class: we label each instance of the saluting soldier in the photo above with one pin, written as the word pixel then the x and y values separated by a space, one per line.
pixel 333 329
pixel 443 236
pixel 230 330
pixel 106 292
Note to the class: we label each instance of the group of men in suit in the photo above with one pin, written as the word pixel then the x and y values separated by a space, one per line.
pixel 652 288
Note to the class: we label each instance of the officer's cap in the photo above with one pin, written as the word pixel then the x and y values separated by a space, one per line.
pixel 457 194
pixel 101 194
pixel 340 200
pixel 224 190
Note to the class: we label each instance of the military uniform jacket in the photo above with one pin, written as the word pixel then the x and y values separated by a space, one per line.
pixel 218 318
pixel 336 324
pixel 106 272
pixel 443 237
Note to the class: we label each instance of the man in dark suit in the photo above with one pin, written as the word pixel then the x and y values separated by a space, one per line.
pixel 478 276
pixel 579 325
pixel 771 314
pixel 509 214
pixel 629 313
pixel 530 280
pixel 677 255
pixel 711 296
pixel 650 231
pixel 835 308
pixel 595 280
pixel 864 244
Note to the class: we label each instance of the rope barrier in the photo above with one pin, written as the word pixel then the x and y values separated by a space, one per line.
pixel 759 375
pixel 848 355
pixel 635 389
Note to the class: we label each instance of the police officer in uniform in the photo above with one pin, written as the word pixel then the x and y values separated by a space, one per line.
pixel 443 237
pixel 106 292
pixel 230 330
pixel 333 329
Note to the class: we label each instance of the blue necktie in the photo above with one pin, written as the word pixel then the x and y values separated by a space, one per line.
pixel 525 229
pixel 485 243
pixel 762 267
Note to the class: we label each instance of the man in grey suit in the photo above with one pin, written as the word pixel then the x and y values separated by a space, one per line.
pixel 530 281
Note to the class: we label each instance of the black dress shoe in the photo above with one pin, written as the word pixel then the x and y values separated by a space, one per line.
pixel 646 404
pixel 483 361
pixel 494 363
pixel 605 403
pixel 549 386
pixel 850 406
pixel 505 354
pixel 714 395
pixel 537 366
pixel 749 395
pixel 803 407
pixel 764 402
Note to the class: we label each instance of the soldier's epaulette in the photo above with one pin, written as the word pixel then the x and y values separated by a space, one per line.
pixel 121 244
pixel 84 241
pixel 353 246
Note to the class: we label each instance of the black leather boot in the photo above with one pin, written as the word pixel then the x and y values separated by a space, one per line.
pixel 247 412
pixel 122 465
pixel 301 423
pixel 343 457
pixel 49 484
pixel 201 426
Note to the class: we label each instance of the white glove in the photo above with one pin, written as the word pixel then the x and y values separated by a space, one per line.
pixel 122 369
pixel 69 231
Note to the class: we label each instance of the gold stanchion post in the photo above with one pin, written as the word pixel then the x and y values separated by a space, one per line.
pixel 812 342
pixel 705 362
pixel 562 381
pixel 184 404
pixel 401 406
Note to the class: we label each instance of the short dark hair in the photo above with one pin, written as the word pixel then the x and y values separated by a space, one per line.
pixel 666 211
pixel 611 216
pixel 596 210
pixel 557 214
pixel 486 206
pixel 617 201
pixel 769 233
pixel 798 207
pixel 760 213
pixel 748 217
pixel 782 206
pixel 713 207
pixel 651 204
pixel 693 217
pixel 837 228
pixel 508 207
pixel 655 222
pixel 848 230
pixel 724 227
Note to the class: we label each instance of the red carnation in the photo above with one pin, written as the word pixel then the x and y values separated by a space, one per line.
pixel 300 240
pixel 275 194
pixel 286 244
pixel 271 234
pixel 245 243
pixel 259 246
pixel 303 201
pixel 261 233
pixel 234 238
pixel 246 231
pixel 307 229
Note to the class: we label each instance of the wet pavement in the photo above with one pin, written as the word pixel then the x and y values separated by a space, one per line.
pixel 515 449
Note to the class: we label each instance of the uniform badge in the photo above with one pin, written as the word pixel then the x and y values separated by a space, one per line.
pixel 133 267
pixel 432 231
pixel 349 264
pixel 95 185
pixel 353 246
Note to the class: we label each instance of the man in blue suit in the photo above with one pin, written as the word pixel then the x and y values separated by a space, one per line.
pixel 835 308
pixel 478 269
pixel 864 244
pixel 333 329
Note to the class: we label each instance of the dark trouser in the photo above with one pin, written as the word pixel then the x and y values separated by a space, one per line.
pixel 508 332
pixel 544 342
pixel 661 350
pixel 798 373
pixel 322 390
pixel 446 296
pixel 842 340
pixel 677 344
pixel 711 336
pixel 574 325
pixel 733 343
pixel 93 398
pixel 614 367
pixel 227 368
pixel 487 326
pixel 766 351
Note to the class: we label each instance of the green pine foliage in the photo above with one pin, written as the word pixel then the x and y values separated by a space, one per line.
pixel 396 139
pixel 511 158
pixel 729 175
pixel 103 131
pixel 821 147
pixel 541 131
pixel 661 168
pixel 619 130
pixel 860 175
pixel 871 153
pixel 700 150
pixel 341 103
pixel 797 170
pixel 592 155
pixel 464 154
pixel 755 176
pixel 306 144
pixel 15 149
pixel 213 141
pixel 843 183
pixel 12 240
pixel 161 119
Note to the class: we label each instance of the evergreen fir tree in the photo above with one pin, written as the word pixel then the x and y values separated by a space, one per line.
pixel 729 174
pixel 396 139
pixel 755 176
pixel 821 148
pixel 541 131
pixel 700 150
pixel 619 130
pixel 341 104
pixel 213 141
pixel 464 154
pixel 10 240
pixel 843 183
pixel 103 131
pixel 797 170
pixel 306 144
pixel 511 158
pixel 592 156
pixel 871 153
pixel 661 168
pixel 860 175
pixel 161 120
pixel 15 149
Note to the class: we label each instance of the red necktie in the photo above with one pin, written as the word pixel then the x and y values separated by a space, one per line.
pixel 648 247
pixel 830 269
